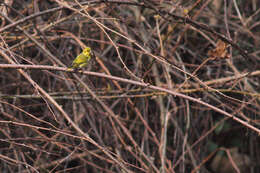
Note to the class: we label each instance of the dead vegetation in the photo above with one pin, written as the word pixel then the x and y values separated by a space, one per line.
pixel 174 86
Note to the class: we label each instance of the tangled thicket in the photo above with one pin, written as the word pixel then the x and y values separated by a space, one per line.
pixel 175 88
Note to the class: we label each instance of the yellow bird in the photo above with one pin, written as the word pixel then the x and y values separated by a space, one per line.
pixel 82 59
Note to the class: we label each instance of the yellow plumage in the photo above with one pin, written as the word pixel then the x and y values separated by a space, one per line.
pixel 82 59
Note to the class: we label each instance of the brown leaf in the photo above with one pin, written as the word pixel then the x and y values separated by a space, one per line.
pixel 220 52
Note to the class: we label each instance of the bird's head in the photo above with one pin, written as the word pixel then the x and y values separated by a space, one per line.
pixel 87 51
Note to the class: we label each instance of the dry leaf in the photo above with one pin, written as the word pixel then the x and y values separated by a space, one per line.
pixel 221 163
pixel 220 52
